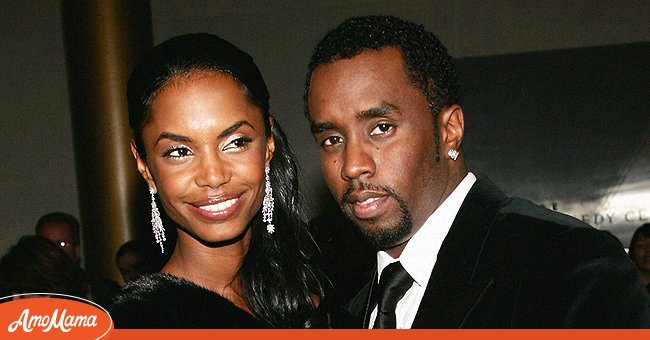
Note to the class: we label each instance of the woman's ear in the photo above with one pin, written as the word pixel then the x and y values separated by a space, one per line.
pixel 270 143
pixel 143 168
pixel 452 127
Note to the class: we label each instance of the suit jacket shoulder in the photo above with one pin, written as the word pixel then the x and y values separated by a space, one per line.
pixel 508 263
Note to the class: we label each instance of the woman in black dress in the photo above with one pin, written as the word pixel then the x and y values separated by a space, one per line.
pixel 205 142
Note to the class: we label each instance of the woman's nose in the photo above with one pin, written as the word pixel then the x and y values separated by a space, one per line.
pixel 211 172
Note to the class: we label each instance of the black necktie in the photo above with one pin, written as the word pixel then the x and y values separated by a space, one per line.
pixel 393 284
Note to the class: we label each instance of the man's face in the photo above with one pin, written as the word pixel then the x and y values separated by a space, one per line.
pixel 642 253
pixel 61 235
pixel 131 266
pixel 377 143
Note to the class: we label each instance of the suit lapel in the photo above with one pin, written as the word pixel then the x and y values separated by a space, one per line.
pixel 359 305
pixel 456 284
pixel 370 301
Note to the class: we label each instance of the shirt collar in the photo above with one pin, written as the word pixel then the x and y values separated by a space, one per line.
pixel 420 254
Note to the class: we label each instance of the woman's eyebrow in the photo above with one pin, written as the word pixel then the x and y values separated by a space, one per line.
pixel 172 136
pixel 234 128
pixel 181 138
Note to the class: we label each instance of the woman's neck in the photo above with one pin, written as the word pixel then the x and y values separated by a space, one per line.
pixel 214 268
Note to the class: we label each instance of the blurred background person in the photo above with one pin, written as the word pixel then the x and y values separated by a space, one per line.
pixel 36 265
pixel 63 230
pixel 135 258
pixel 639 252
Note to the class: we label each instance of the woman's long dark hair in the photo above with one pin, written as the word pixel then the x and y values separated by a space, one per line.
pixel 281 273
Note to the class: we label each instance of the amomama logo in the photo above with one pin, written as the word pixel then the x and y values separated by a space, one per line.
pixel 52 316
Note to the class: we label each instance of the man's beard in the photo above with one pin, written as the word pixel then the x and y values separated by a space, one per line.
pixel 381 236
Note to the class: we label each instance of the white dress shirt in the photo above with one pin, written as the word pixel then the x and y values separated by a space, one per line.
pixel 420 254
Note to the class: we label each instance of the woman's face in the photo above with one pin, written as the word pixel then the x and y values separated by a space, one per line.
pixel 206 149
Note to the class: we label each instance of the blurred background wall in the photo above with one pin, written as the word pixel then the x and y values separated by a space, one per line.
pixel 516 59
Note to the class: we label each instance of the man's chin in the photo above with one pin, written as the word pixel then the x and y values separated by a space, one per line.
pixel 383 237
pixel 387 229
pixel 366 226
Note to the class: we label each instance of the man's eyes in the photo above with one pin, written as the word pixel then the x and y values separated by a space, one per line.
pixel 381 129
pixel 378 130
pixel 329 141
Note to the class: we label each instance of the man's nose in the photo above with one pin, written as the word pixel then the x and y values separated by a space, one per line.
pixel 357 162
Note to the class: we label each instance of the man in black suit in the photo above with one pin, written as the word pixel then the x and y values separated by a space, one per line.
pixel 382 101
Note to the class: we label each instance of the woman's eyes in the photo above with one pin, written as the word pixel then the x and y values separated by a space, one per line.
pixel 178 152
pixel 238 143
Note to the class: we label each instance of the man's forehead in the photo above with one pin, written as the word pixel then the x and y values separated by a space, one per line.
pixel 364 73
pixel 59 228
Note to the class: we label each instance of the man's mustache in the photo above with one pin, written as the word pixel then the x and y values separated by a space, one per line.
pixel 345 197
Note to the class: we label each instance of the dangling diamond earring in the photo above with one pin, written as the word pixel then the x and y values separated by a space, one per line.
pixel 268 204
pixel 156 222
pixel 453 154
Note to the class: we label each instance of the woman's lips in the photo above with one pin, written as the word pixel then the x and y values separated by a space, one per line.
pixel 217 210
pixel 221 206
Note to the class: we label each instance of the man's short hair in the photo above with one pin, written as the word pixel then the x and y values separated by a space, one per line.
pixel 428 65
pixel 59 218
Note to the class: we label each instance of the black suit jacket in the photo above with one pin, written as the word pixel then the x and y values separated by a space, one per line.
pixel 508 263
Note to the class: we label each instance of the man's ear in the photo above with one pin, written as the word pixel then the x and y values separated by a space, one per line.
pixel 452 127
pixel 143 168
pixel 270 143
